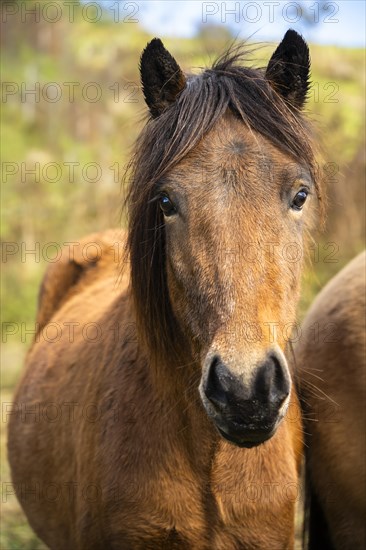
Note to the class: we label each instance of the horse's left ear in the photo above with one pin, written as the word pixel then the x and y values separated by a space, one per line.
pixel 161 77
pixel 289 68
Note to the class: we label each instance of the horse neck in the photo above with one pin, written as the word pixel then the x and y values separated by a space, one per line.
pixel 175 386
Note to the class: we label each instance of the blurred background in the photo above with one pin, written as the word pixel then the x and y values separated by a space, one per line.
pixel 72 108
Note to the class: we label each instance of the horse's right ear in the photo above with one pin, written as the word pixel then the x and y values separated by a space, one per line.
pixel 161 77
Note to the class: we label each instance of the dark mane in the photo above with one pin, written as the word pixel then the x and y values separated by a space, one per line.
pixel 164 142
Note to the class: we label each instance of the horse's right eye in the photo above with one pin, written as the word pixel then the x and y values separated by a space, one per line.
pixel 166 205
pixel 299 199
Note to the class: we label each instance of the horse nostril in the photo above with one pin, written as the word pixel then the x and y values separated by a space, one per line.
pixel 268 389
pixel 272 382
pixel 217 383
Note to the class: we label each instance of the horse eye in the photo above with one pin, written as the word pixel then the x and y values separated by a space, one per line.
pixel 166 205
pixel 299 199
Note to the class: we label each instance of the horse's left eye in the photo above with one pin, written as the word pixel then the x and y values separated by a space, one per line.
pixel 299 199
pixel 166 205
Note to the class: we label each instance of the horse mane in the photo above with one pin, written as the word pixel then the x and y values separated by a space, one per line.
pixel 163 143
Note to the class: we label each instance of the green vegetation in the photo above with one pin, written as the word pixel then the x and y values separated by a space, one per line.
pixel 95 138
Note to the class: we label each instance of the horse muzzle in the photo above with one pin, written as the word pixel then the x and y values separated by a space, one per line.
pixel 246 414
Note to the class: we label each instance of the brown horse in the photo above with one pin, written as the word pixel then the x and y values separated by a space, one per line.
pixel 331 356
pixel 157 416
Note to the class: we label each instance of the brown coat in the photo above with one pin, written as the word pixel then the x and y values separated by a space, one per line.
pixel 331 357
pixel 101 460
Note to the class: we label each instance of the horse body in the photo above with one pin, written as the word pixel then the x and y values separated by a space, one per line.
pixel 172 385
pixel 95 485
pixel 331 356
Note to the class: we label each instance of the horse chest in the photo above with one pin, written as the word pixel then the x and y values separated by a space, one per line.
pixel 255 497
pixel 238 507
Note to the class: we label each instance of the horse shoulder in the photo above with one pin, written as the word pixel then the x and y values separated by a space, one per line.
pixel 80 265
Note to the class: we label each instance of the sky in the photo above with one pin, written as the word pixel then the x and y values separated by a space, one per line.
pixel 341 23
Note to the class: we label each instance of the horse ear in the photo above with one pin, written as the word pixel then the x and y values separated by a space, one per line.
pixel 289 68
pixel 161 77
